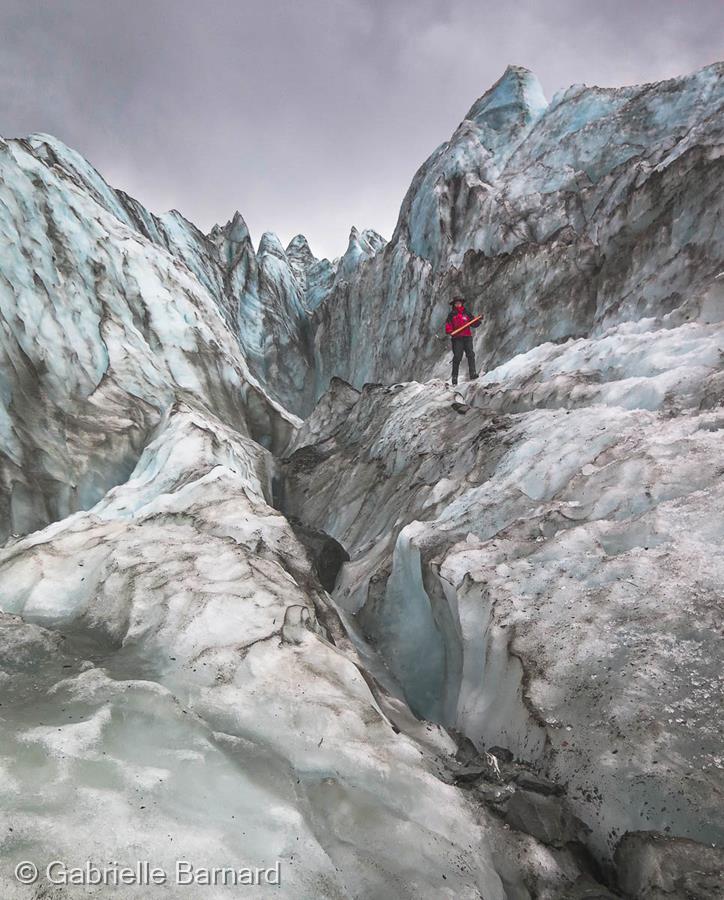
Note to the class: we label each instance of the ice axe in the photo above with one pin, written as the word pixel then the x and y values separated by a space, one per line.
pixel 466 325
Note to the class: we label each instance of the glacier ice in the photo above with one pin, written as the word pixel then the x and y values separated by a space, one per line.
pixel 176 693
pixel 555 522
pixel 599 209
pixel 512 689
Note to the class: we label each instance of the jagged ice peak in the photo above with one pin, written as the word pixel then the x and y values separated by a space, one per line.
pixel 516 94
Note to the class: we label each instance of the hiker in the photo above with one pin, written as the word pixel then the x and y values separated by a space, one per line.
pixel 462 342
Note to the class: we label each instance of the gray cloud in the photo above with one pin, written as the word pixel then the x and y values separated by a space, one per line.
pixel 306 116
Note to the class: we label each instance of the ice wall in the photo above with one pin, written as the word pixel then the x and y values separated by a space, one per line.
pixel 102 332
pixel 554 220
pixel 536 559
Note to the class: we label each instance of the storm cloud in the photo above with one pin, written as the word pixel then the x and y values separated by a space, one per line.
pixel 307 116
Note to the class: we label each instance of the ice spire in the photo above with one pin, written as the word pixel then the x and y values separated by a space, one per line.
pixel 516 98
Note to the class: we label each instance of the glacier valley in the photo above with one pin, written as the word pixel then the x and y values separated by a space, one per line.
pixel 272 590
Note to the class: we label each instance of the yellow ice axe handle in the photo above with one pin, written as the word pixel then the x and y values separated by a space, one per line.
pixel 466 325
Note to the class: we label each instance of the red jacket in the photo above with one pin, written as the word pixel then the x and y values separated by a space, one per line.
pixel 457 318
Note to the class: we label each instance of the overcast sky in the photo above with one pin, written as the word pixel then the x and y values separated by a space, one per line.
pixel 310 115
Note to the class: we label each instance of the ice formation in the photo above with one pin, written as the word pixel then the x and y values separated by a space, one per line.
pixel 271 591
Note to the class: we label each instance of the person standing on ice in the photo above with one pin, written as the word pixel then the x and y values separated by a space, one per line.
pixel 458 325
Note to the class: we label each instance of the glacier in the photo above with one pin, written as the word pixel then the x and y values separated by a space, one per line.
pixel 272 590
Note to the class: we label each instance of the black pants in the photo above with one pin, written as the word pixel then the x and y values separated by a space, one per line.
pixel 462 345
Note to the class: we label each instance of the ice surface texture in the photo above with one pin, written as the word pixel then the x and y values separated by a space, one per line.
pixel 535 560
pixel 178 696
pixel 102 332
pixel 545 572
